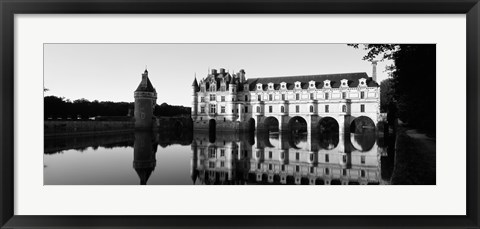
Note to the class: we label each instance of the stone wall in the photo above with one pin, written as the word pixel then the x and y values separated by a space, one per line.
pixel 53 128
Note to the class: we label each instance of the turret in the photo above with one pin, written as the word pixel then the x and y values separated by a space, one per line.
pixel 195 89
pixel 145 102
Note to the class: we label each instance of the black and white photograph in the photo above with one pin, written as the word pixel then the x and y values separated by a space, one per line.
pixel 239 114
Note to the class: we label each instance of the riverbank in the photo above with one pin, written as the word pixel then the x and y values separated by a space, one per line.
pixel 415 158
pixel 68 128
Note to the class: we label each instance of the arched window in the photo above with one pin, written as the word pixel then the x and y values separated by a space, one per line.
pixel 344 108
pixel 258 109
pixel 311 108
pixel 282 109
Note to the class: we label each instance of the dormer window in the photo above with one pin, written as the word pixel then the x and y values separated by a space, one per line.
pixel 344 83
pixel 362 82
pixel 297 85
pixel 283 85
pixel 259 86
pixel 326 84
pixel 270 86
pixel 311 84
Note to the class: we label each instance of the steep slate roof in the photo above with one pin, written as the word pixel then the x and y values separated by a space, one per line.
pixel 335 80
pixel 145 86
pixel 148 88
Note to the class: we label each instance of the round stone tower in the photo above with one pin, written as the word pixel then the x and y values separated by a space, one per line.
pixel 145 101
pixel 194 98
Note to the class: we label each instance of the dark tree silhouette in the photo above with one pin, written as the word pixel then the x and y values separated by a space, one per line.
pixel 413 80
pixel 59 107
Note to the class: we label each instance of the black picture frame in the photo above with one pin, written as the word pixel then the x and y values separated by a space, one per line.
pixel 9 8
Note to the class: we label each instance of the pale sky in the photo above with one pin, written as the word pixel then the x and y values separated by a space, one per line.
pixel 111 72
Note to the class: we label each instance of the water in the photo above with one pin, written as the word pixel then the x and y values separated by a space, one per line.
pixel 183 158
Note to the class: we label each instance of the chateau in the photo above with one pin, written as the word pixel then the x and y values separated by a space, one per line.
pixel 224 101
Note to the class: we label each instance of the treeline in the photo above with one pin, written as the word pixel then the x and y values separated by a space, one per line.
pixel 410 93
pixel 59 107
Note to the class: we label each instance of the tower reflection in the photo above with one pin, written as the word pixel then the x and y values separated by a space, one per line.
pixel 145 148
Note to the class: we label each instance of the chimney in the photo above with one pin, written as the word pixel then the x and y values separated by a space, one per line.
pixel 222 70
pixel 374 70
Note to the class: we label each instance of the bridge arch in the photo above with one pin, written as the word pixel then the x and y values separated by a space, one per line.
pixel 271 124
pixel 328 125
pixel 362 124
pixel 298 124
pixel 251 125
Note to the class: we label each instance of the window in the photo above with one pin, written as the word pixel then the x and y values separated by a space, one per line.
pixel 297 96
pixel 246 109
pixel 327 171
pixel 326 109
pixel 258 154
pixel 270 154
pixel 362 173
pixel 344 172
pixel 311 96
pixel 270 108
pixel 270 97
pixel 297 108
pixel 344 158
pixel 362 107
pixel 222 164
pixel 362 159
pixel 327 158
pixel 282 155
pixel 297 156
pixel 211 153
pixel 283 167
pixel 224 120
pixel 222 88
pixel 202 109
pixel 211 164
pixel 282 109
pixel 246 97
pixel 311 157
pixel 222 153
pixel 259 87
pixel 344 95
pixel 311 108
pixel 212 97
pixel 202 99
pixel 222 109
pixel 213 108
pixel 259 166
pixel 270 167
pixel 258 109
pixel 259 97
pixel 312 169
pixel 297 168
pixel 283 96
pixel 223 98
pixel 344 108
pixel 362 94
pixel 326 95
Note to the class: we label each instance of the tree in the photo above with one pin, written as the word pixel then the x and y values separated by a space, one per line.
pixel 413 80
pixel 386 94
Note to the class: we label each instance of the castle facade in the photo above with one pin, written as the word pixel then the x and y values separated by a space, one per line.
pixel 224 101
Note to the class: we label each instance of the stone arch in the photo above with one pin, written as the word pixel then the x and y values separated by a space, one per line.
pixel 298 124
pixel 251 125
pixel 362 124
pixel 271 124
pixel 328 125
pixel 212 125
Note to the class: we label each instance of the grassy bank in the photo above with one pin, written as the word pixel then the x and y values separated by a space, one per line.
pixel 415 158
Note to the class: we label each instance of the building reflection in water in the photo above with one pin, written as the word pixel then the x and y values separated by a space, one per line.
pixel 282 158
pixel 144 150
